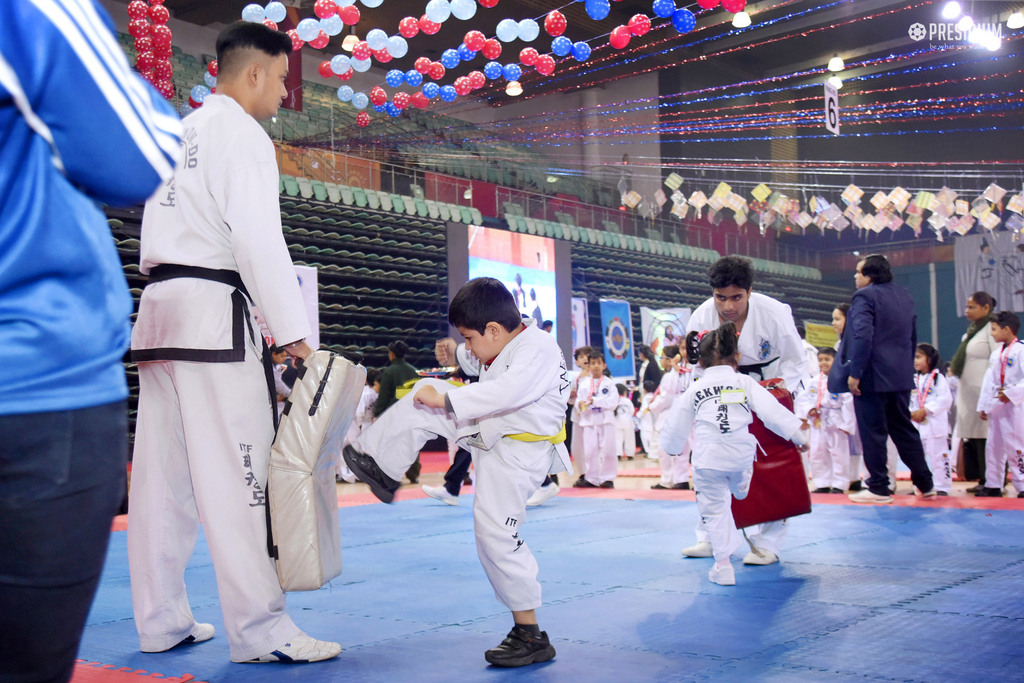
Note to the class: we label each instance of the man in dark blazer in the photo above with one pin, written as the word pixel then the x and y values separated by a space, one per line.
pixel 880 340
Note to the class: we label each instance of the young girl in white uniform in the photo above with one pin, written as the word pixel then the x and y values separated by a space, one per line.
pixel 675 471
pixel 829 421
pixel 930 402
pixel 1002 403
pixel 625 432
pixel 718 408
pixel 596 399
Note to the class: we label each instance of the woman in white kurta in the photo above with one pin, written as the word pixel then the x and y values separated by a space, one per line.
pixel 969 364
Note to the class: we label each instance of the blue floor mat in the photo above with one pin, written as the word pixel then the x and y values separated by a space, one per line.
pixel 893 593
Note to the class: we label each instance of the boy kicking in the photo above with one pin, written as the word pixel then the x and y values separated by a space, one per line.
pixel 512 421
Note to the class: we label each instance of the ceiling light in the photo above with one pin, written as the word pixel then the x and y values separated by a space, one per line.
pixel 965 24
pixel 836 64
pixel 513 89
pixel 1015 20
pixel 552 179
pixel 350 42
pixel 468 194
pixel 951 10
pixel 741 20
pixel 835 82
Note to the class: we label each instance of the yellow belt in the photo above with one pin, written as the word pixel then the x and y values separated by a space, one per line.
pixel 404 388
pixel 526 436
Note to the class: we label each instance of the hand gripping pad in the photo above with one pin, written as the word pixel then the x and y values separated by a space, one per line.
pixel 303 499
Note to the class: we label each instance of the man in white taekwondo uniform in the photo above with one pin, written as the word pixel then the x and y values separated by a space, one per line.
pixel 212 246
pixel 769 346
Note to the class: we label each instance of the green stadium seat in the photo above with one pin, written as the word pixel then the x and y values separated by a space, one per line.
pixel 397 203
pixel 291 187
pixel 372 199
pixel 432 208
pixel 305 187
pixel 385 201
pixel 319 190
pixel 444 211
pixel 467 216
pixel 421 207
pixel 333 193
pixel 410 205
pixel 360 197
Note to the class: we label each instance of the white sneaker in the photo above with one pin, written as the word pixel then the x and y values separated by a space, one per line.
pixel 723 576
pixel 300 649
pixel 542 495
pixel 865 497
pixel 760 557
pixel 198 634
pixel 702 549
pixel 440 493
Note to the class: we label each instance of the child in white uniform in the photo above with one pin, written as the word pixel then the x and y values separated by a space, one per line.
pixel 718 408
pixel 1002 403
pixel 930 402
pixel 675 471
pixel 513 423
pixel 645 421
pixel 596 399
pixel 360 421
pixel 625 432
pixel 582 357
pixel 829 420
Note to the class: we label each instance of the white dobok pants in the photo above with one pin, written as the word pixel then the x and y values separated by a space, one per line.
pixel 602 463
pixel 829 456
pixel 1005 445
pixel 715 489
pixel 936 452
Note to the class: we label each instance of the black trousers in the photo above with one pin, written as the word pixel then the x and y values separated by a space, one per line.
pixel 457 472
pixel 887 414
pixel 974 460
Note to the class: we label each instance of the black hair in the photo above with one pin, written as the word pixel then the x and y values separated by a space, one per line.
pixel 714 347
pixel 276 349
pixel 647 352
pixel 372 375
pixel 844 308
pixel 1007 319
pixel 595 353
pixel 399 348
pixel 876 268
pixel 825 351
pixel 649 386
pixel 931 354
pixel 621 389
pixel 801 329
pixel 546 324
pixel 581 351
pixel 670 351
pixel 731 270
pixel 484 300
pixel 243 35
pixel 983 298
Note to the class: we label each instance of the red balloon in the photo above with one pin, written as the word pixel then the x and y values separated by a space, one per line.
pixel 348 74
pixel 409 27
pixel 708 4
pixel 271 25
pixel 192 103
pixel 362 119
pixel 436 71
pixel 545 65
pixel 138 28
pixel 325 69
pixel 320 41
pixel 156 2
pixel 554 23
pixel 462 85
pixel 362 50
pixel 639 24
pixel 161 34
pixel 138 9
pixel 377 95
pixel 162 70
pixel 349 15
pixel 528 56
pixel 382 55
pixel 476 79
pixel 427 26
pixel 401 99
pixel 297 42
pixel 145 61
pixel 143 44
pixel 165 88
pixel 325 8
pixel 158 14
pixel 491 48
pixel 487 3
pixel 419 100
pixel 734 6
pixel 211 68
pixel 422 65
pixel 620 37
pixel 474 40
pixel 162 50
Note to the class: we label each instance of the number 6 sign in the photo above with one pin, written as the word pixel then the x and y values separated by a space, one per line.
pixel 832 108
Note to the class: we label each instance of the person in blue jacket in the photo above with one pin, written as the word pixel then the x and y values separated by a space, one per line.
pixel 77 126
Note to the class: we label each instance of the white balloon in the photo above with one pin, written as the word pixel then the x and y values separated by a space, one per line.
pixel 308 29
pixel 377 39
pixel 361 65
pixel 397 47
pixel 438 11
pixel 372 3
pixel 275 11
pixel 332 25
pixel 507 30
pixel 528 30
pixel 463 9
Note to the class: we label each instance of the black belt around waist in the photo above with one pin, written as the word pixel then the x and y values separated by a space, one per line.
pixel 755 368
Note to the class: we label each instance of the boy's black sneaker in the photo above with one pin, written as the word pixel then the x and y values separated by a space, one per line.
pixel 366 470
pixel 520 648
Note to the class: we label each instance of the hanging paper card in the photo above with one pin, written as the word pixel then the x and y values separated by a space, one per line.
pixel 938 221
pixel 1015 223
pixel 761 192
pixel 944 210
pixel 915 223
pixel 980 207
pixel 989 220
pixel 924 200
pixel 740 217
pixel 994 193
pixel 660 197
pixel 673 181
pixel 915 210
pixel 895 222
pixel 852 194
pixel 840 224
pixel 832 212
pixel 880 200
pixel 803 219
pixel 853 212
pixel 899 198
pixel 716 203
pixel 779 203
pixel 1016 203
pixel 736 202
pixel 698 199
pixel 679 210
pixel 678 197
pixel 962 207
pixel 722 191
pixel 631 198
pixel 946 195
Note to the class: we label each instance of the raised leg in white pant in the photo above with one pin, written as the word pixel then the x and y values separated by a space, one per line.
pixel 202 450
pixel 715 490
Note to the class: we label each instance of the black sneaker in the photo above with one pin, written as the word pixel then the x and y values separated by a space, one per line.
pixel 520 648
pixel 608 484
pixel 366 470
pixel 682 486
pixel 856 486
pixel 823 489
pixel 976 488
pixel 836 490
pixel 1021 494
pixel 582 483
pixel 660 487
pixel 987 492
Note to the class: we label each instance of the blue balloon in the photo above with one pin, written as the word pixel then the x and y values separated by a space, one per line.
pixel 431 90
pixel 360 65
pixel 275 11
pixel 372 3
pixel 255 14
pixel 561 46
pixel 376 39
pixel 683 20
pixel 580 51
pixel 200 92
pixel 465 54
pixel 379 107
pixel 397 47
pixel 345 93
pixel 492 70
pixel 597 9
pixel 413 77
pixel 448 93
pixel 528 30
pixel 308 29
pixel 391 109
pixel 438 11
pixel 450 58
pixel 664 8
pixel 394 78
pixel 211 81
pixel 340 64
pixel 332 25
pixel 512 72
pixel 463 9
pixel 507 30
pixel 360 100
pixel 344 3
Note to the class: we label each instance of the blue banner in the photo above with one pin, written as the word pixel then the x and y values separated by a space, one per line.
pixel 618 339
